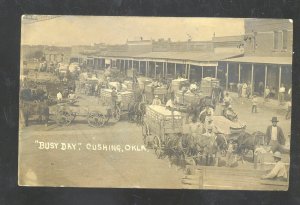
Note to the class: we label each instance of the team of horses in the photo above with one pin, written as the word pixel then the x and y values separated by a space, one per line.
pixel 184 146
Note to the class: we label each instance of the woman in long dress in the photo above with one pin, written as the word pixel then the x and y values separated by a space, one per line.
pixel 244 90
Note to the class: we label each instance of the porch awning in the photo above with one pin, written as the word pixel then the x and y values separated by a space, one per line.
pixel 262 60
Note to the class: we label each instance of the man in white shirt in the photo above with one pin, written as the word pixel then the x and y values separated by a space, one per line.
pixel 59 96
pixel 275 137
pixel 170 104
pixel 227 100
pixel 281 94
pixel 193 87
pixel 279 171
pixel 156 101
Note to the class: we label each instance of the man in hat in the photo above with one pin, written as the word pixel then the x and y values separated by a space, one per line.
pixel 209 144
pixel 209 122
pixel 207 111
pixel 227 100
pixel 156 101
pixel 193 87
pixel 279 171
pixel 275 137
pixel 230 114
pixel 114 98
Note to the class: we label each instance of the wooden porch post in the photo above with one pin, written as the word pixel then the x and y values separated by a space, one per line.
pixel 201 71
pixel 146 65
pixel 279 82
pixel 227 76
pixel 189 71
pixel 239 73
pixel 139 66
pixel 175 70
pixel 155 69
pixel 166 68
pixel 252 70
pixel 266 78
pixel 216 72
pixel 185 70
pixel 163 73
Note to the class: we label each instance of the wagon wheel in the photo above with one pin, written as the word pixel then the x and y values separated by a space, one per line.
pixel 116 114
pixel 157 146
pixel 223 152
pixel 64 117
pixel 96 119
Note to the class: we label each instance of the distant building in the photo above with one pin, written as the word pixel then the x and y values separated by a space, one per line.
pixel 139 45
pixel 228 44
pixel 57 54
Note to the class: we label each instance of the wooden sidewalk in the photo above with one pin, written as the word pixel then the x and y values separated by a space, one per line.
pixel 207 177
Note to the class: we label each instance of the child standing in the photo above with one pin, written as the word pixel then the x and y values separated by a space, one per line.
pixel 254 104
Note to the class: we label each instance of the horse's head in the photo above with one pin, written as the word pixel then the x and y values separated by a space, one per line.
pixel 221 141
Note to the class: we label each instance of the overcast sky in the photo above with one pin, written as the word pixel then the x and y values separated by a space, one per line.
pixel 86 30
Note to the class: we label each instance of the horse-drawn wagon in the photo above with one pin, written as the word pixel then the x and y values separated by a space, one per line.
pixel 96 116
pixel 124 97
pixel 162 129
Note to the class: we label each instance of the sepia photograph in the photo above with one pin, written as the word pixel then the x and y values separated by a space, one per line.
pixel 155 102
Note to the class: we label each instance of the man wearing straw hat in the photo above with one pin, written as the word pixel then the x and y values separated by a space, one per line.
pixel 275 137
pixel 156 100
pixel 279 171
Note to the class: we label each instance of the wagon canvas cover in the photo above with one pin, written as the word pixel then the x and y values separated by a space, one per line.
pixel 72 134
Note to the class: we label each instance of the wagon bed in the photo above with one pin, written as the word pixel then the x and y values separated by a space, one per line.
pixel 161 121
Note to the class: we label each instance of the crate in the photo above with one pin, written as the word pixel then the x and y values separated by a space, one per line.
pixel 161 120
pixel 177 84
pixel 129 85
pixel 126 97
pixel 180 97
pixel 160 91
pixel 191 98
pixel 206 91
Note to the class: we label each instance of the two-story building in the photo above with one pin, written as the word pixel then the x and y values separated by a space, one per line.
pixel 267 60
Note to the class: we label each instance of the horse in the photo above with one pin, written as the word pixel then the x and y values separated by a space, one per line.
pixel 173 149
pixel 137 108
pixel 198 147
pixel 35 108
pixel 194 109
pixel 247 142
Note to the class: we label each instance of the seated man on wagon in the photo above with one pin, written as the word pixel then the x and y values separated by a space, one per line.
pixel 208 111
pixel 156 100
pixel 170 104
pixel 193 87
pixel 230 114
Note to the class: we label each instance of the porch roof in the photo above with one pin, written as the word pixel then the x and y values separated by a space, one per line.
pixel 188 56
pixel 262 60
